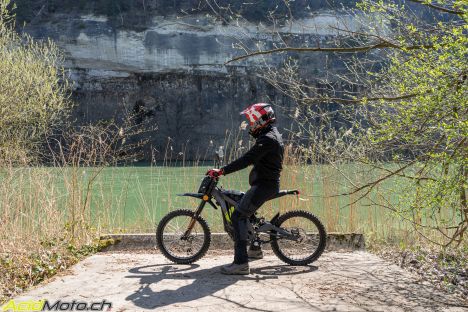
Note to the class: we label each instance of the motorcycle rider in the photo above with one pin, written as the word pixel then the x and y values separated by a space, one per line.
pixel 266 156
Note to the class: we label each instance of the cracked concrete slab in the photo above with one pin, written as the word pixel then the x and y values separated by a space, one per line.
pixel 356 281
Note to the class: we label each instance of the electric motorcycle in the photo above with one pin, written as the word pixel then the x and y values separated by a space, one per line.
pixel 297 237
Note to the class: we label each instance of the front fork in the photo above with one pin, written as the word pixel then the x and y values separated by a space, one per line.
pixel 193 220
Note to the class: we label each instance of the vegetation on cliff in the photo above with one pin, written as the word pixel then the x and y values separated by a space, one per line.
pixel 34 94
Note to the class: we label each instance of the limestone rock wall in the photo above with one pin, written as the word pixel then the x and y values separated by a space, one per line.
pixel 172 69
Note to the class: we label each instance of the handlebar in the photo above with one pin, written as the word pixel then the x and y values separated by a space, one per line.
pixel 214 173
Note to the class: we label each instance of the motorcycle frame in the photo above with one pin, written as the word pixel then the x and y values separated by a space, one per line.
pixel 221 199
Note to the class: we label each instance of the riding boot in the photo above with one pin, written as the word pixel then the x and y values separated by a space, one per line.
pixel 235 269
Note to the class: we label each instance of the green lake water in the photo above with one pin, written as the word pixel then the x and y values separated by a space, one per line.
pixel 135 198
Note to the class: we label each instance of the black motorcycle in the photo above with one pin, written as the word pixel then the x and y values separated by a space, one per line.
pixel 297 237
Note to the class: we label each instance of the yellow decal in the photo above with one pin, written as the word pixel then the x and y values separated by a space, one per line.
pixel 229 214
pixel 30 305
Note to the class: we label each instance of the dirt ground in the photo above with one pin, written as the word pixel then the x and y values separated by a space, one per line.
pixel 137 281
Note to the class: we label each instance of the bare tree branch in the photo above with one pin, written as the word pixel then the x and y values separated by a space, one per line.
pixel 380 45
pixel 439 8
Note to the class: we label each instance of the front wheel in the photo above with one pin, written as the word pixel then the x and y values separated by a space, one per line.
pixel 306 239
pixel 175 245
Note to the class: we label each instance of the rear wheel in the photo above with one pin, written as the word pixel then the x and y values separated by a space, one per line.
pixel 309 238
pixel 170 240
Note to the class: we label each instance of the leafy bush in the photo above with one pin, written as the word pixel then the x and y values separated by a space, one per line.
pixel 34 95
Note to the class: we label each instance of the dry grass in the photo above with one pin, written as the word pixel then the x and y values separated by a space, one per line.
pixel 48 224
pixel 44 231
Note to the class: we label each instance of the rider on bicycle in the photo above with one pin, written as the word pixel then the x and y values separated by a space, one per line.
pixel 266 156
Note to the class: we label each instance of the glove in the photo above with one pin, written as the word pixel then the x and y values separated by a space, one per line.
pixel 214 173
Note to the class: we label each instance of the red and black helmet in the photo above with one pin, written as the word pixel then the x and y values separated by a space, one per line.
pixel 259 115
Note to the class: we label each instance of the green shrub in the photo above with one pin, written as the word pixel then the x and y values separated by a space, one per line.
pixel 34 95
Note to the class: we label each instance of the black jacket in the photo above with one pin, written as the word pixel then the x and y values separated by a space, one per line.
pixel 266 156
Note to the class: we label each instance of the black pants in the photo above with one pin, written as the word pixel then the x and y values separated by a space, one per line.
pixel 258 194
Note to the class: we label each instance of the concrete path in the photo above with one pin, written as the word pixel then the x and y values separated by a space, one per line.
pixel 356 281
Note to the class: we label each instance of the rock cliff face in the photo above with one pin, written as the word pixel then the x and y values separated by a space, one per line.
pixel 170 69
